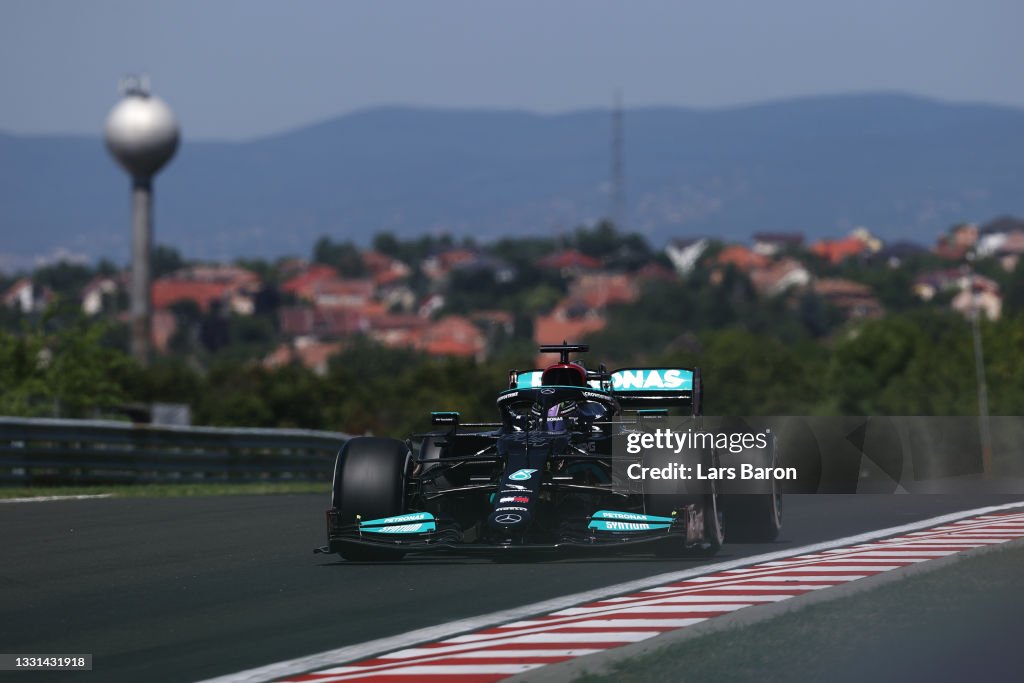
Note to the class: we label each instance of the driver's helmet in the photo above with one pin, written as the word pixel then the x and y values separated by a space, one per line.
pixel 565 375
pixel 557 417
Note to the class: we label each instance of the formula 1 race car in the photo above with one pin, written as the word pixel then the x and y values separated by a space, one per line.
pixel 544 477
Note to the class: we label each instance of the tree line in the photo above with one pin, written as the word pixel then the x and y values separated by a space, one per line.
pixel 790 354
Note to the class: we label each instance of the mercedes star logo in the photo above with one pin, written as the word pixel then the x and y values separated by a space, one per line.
pixel 508 518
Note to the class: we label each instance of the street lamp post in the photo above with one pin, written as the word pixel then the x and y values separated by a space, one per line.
pixel 979 370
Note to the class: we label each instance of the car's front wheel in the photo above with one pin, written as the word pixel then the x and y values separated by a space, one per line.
pixel 369 483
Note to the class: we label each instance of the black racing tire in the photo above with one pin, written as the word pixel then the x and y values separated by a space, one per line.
pixel 714 525
pixel 369 482
pixel 755 517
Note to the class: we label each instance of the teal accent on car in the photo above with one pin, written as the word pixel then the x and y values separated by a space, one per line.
pixel 630 517
pixel 528 380
pixel 608 525
pixel 652 379
pixel 412 523
pixel 614 520
pixel 417 528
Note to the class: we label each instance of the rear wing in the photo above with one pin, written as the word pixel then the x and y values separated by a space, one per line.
pixel 638 387
pixel 658 388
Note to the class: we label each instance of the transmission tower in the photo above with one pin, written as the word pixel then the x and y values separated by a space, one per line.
pixel 617 210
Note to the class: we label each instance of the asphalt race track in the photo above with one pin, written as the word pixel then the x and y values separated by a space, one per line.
pixel 184 589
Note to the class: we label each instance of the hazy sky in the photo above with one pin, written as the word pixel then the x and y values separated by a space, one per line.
pixel 246 68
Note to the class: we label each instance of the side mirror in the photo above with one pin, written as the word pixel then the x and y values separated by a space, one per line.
pixel 446 419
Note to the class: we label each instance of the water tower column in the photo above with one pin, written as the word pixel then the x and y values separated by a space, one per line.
pixel 142 248
pixel 142 135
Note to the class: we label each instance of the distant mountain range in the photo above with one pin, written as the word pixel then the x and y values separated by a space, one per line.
pixel 905 167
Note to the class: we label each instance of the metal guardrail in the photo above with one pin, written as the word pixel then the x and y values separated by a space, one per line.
pixel 55 451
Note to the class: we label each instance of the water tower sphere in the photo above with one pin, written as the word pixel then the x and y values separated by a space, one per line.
pixel 142 134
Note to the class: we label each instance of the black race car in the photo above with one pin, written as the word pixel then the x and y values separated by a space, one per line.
pixel 544 477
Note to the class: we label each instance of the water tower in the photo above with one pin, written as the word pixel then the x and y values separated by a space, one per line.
pixel 142 135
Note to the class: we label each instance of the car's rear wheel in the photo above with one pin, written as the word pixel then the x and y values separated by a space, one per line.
pixel 714 526
pixel 369 483
pixel 756 517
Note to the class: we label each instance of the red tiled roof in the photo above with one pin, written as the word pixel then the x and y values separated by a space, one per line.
pixel 600 290
pixel 385 269
pixel 451 347
pixel 302 283
pixel 375 260
pixel 835 251
pixel 301 321
pixel 166 292
pixel 450 258
pixel 743 258
pixel 559 326
pixel 452 335
pixel 569 258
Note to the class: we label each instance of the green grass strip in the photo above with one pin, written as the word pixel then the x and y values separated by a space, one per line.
pixel 171 490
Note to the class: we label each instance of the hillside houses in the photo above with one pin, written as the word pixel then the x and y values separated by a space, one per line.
pixel 855 300
pixel 101 292
pixel 779 276
pixel 570 262
pixel 1002 239
pixel 229 287
pixel 582 310
pixel 27 297
pixel 331 309
pixel 468 300
pixel 776 243
pixel 969 291
pixel 860 242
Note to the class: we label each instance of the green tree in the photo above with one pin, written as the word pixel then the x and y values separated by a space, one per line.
pixel 65 373
pixel 344 256
pixel 604 241
pixel 165 260
pixel 66 279
pixel 749 374
pixel 916 364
